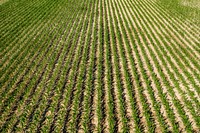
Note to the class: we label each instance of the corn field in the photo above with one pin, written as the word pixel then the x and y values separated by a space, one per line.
pixel 98 66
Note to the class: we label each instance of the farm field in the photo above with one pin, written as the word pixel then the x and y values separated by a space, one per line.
pixel 186 9
pixel 98 66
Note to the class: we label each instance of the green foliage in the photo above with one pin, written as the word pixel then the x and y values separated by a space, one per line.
pixel 186 9
pixel 98 66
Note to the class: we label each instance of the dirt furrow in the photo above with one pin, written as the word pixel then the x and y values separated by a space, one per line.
pixel 94 113
pixel 143 80
pixel 171 57
pixel 173 31
pixel 71 32
pixel 134 84
pixel 186 25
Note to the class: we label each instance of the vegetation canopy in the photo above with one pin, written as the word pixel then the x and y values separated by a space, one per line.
pixel 100 66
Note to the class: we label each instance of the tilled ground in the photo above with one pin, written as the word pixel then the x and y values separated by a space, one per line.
pixel 97 66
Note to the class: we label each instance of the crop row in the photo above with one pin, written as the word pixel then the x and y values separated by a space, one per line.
pixel 97 66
